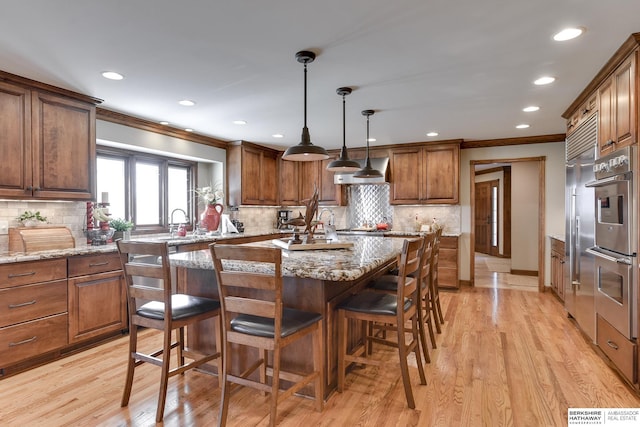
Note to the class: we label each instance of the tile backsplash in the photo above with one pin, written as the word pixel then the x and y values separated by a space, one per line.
pixel 69 214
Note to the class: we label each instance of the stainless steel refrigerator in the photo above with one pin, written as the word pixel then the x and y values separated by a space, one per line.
pixel 580 227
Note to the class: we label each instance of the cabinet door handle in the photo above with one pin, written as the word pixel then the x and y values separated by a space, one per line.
pixel 98 264
pixel 14 275
pixel 22 304
pixel 36 189
pixel 612 344
pixel 29 188
pixel 608 143
pixel 28 340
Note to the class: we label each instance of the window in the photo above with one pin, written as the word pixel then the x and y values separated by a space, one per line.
pixel 145 188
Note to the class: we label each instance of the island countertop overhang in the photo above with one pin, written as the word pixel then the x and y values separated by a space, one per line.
pixel 334 265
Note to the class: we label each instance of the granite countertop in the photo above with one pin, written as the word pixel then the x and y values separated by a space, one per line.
pixel 83 249
pixel 367 254
pixel 557 237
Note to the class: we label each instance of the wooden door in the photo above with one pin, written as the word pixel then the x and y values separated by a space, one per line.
pixel 269 178
pixel 251 161
pixel 483 217
pixel 330 193
pixel 309 179
pixel 64 143
pixel 441 174
pixel 289 183
pixel 625 120
pixel 15 141
pixel 406 175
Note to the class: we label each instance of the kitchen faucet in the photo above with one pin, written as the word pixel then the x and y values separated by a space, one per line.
pixel 172 225
pixel 330 228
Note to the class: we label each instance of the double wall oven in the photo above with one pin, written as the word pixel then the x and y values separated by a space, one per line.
pixel 615 242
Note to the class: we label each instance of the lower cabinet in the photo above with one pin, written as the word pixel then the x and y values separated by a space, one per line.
pixel 97 296
pixel 557 267
pixel 50 307
pixel 448 263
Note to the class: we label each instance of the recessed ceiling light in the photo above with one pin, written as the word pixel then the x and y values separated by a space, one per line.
pixel 164 123
pixel 544 80
pixel 112 75
pixel 277 135
pixel 568 34
pixel 432 134
pixel 530 108
pixel 189 130
pixel 522 126
pixel 239 122
pixel 187 103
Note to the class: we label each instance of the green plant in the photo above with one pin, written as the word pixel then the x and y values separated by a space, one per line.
pixel 120 224
pixel 30 215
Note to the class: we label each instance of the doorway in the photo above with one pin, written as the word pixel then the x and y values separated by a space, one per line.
pixel 489 216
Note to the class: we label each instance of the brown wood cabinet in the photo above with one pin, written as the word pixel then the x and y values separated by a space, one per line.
pixel 617 121
pixel 252 174
pixel 33 316
pixel 448 263
pixel 97 296
pixel 557 267
pixel 47 142
pixel 425 174
pixel 589 107
pixel 298 179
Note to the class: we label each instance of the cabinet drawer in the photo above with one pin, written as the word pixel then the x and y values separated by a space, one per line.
pixel 621 351
pixel 448 258
pixel 25 273
pixel 449 242
pixel 29 302
pixel 31 339
pixel 557 245
pixel 91 264
pixel 447 278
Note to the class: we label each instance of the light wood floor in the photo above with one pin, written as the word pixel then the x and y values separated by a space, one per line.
pixel 505 358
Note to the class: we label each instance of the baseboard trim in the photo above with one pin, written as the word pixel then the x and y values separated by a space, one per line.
pixel 524 272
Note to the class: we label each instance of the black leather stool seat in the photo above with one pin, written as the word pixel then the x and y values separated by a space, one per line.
pixel 385 283
pixel 292 321
pixel 182 306
pixel 375 303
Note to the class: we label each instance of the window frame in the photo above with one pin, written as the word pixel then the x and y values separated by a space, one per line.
pixel 131 157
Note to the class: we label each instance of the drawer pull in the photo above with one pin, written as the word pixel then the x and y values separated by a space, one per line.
pixel 22 304
pixel 99 264
pixel 12 276
pixel 612 344
pixel 27 341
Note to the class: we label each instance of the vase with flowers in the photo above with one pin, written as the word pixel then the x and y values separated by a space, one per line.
pixel 211 197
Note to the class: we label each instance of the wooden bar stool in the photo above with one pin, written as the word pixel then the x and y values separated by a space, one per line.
pixel 253 315
pixel 149 287
pixel 434 303
pixel 389 283
pixel 389 311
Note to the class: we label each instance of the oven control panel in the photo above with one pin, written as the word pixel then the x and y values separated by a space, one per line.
pixel 617 163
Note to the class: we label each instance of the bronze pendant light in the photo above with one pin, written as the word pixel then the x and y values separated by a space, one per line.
pixel 305 151
pixel 343 163
pixel 367 171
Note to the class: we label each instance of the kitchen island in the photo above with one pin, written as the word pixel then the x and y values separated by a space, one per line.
pixel 315 280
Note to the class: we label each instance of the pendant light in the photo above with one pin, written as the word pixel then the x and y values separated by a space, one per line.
pixel 367 171
pixel 343 163
pixel 305 150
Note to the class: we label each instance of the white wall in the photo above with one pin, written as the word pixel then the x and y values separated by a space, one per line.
pixel 524 215
pixel 554 191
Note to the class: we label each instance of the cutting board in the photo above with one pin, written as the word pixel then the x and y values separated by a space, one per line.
pixel 33 239
pixel 284 244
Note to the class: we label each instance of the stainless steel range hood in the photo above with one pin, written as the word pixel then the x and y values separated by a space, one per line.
pixel 380 164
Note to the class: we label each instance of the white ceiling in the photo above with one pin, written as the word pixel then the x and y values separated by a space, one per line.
pixel 461 68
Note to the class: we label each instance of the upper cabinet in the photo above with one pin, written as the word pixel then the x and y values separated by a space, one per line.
pixel 47 140
pixel 425 174
pixel 617 119
pixel 252 174
pixel 613 94
pixel 298 180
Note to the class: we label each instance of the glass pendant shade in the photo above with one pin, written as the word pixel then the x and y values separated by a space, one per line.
pixel 343 163
pixel 305 151
pixel 367 171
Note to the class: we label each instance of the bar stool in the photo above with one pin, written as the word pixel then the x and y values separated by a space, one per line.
pixel 389 283
pixel 390 312
pixel 253 315
pixel 161 310
pixel 434 303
